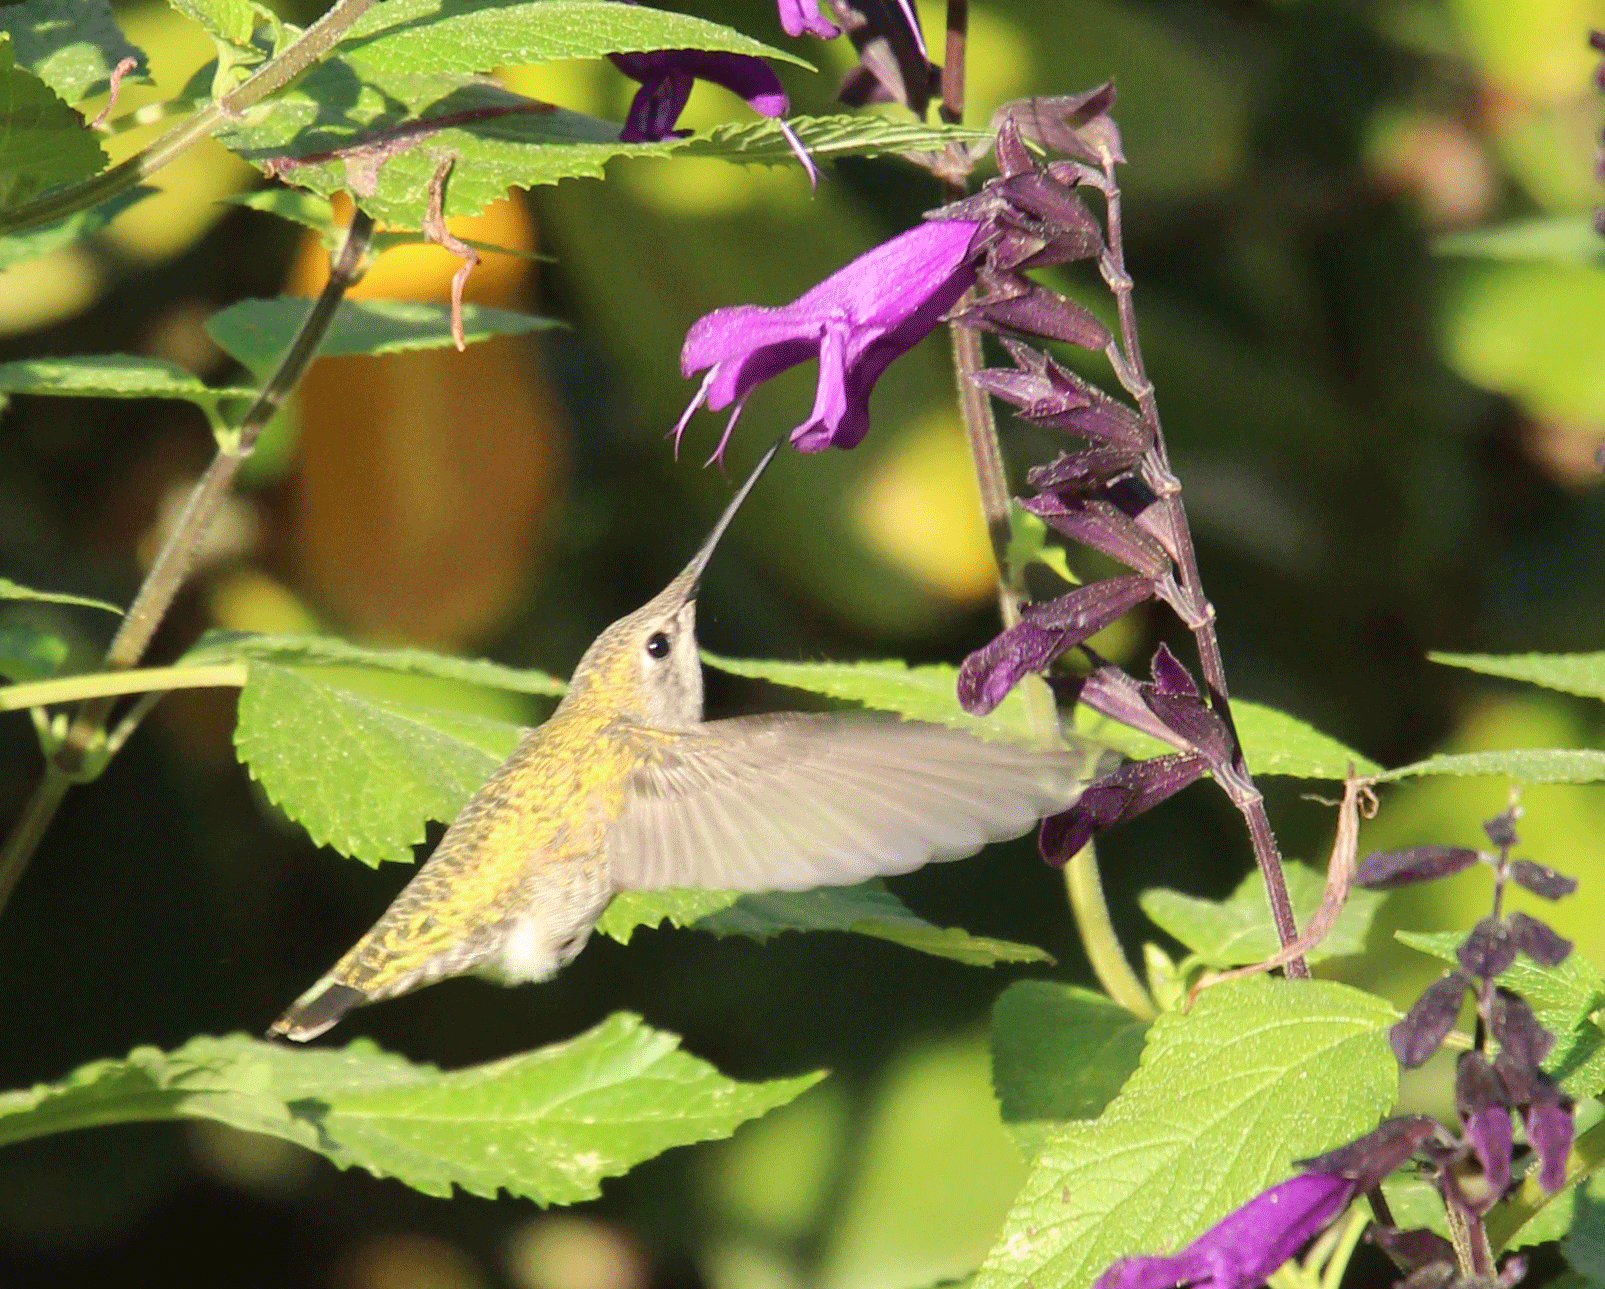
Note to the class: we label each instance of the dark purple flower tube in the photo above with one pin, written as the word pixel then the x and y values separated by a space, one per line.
pixel 1541 880
pixel 855 323
pixel 1128 791
pixel 1538 940
pixel 1429 1020
pixel 798 16
pixel 1487 950
pixel 1550 1126
pixel 1382 870
pixel 1245 1246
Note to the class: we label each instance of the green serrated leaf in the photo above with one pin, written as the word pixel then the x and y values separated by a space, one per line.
pixel 1225 1098
pixel 259 332
pixel 1059 1052
pixel 113 376
pixel 1571 673
pixel 1584 1247
pixel 18 247
pixel 290 650
pixel 404 36
pixel 868 909
pixel 361 774
pixel 762 141
pixel 43 142
pixel 27 653
pixel 71 45
pixel 1555 238
pixel 631 909
pixel 1276 743
pixel 548 1125
pixel 926 693
pixel 1524 764
pixel 1563 997
pixel 10 590
pixel 1239 930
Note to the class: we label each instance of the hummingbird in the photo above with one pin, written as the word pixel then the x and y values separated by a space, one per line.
pixel 626 787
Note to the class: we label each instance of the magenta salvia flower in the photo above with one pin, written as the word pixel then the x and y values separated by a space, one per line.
pixel 667 76
pixel 1249 1243
pixel 798 16
pixel 855 322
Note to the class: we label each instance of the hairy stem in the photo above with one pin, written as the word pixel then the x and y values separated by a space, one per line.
pixel 1201 617
pixel 71 758
pixel 311 45
pixel 1083 886
pixel 114 684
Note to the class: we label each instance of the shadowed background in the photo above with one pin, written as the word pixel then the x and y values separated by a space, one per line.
pixel 1383 452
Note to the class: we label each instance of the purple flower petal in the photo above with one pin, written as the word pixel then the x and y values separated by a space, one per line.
pixel 1103 526
pixel 1024 306
pixel 855 322
pixel 798 16
pixel 1382 870
pixel 1123 794
pixel 1111 692
pixel 1076 124
pixel 1487 951
pixel 1489 1134
pixel 1541 880
pixel 1416 1250
pixel 1245 1246
pixel 987 675
pixel 1087 470
pixel 1170 677
pixel 1501 829
pixel 1538 940
pixel 666 76
pixel 1429 1021
pixel 1550 1126
pixel 1368 1159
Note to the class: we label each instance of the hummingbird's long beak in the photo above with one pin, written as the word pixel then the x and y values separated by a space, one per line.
pixel 693 571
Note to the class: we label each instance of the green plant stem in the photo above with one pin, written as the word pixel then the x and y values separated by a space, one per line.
pixel 1083 886
pixel 311 45
pixel 112 684
pixel 67 761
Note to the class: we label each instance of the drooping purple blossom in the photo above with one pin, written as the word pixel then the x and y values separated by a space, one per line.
pixel 1541 880
pixel 1245 1246
pixel 1383 870
pixel 798 16
pixel 667 77
pixel 893 64
pixel 1429 1020
pixel 855 323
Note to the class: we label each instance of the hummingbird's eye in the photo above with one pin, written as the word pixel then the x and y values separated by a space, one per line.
pixel 657 645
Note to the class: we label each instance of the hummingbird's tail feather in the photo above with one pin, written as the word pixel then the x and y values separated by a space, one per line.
pixel 317 1010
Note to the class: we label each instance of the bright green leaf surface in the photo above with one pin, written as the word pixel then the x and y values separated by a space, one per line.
pixel 867 909
pixel 29 654
pixel 259 332
pixel 548 1125
pixel 1059 1052
pixel 17 247
pixel 331 651
pixel 71 45
pixel 1524 764
pixel 1258 1074
pixel 10 590
pixel 761 140
pixel 43 142
pixel 631 909
pixel 1571 673
pixel 111 376
pixel 926 693
pixel 1563 997
pixel 1239 930
pixel 1560 238
pixel 361 774
pixel 1276 743
pixel 403 36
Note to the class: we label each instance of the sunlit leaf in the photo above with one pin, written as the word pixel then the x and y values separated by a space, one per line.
pixel 1524 764
pixel 43 142
pixel 259 332
pixel 1571 673
pixel 1226 1097
pixel 1562 238
pixel 548 1125
pixel 1239 929
pixel 359 773
pixel 330 651
pixel 1276 743
pixel 10 590
pixel 114 376
pixel 71 45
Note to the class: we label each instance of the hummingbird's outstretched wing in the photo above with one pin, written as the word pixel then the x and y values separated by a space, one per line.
pixel 786 803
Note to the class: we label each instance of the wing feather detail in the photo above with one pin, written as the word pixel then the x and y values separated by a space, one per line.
pixel 787 803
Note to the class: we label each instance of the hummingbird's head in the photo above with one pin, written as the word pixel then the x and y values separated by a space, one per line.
pixel 647 663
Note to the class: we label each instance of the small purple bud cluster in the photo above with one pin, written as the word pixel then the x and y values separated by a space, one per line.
pixel 1472 1168
pixel 1475 1171
pixel 1116 493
